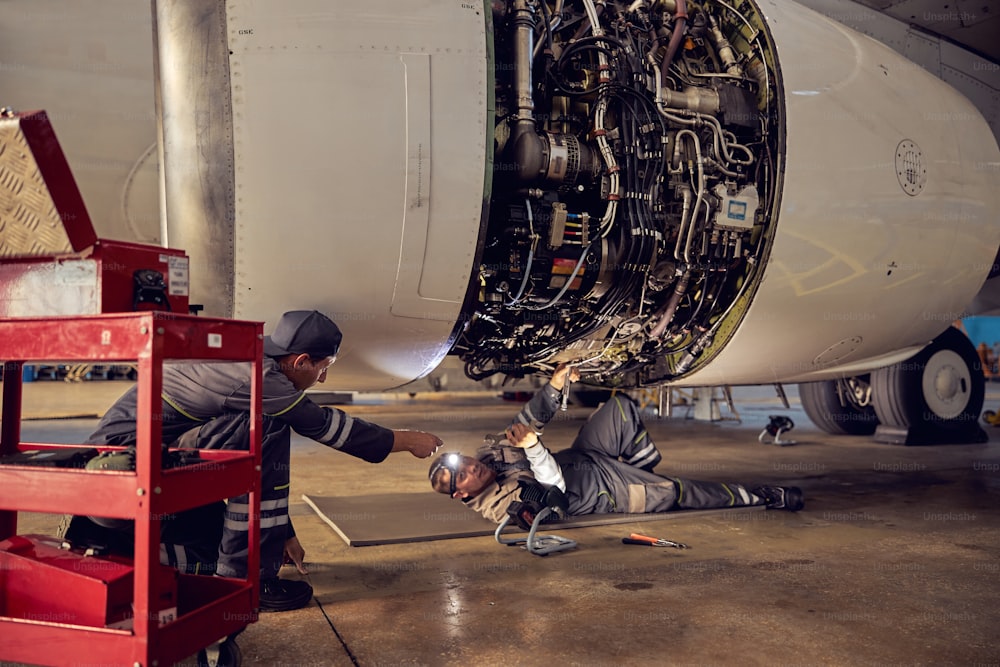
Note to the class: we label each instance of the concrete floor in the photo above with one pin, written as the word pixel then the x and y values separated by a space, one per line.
pixel 894 561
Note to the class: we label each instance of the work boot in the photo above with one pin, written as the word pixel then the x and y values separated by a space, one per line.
pixel 284 594
pixel 82 533
pixel 788 498
pixel 223 653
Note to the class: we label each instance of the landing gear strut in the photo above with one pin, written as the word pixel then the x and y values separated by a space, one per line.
pixel 840 407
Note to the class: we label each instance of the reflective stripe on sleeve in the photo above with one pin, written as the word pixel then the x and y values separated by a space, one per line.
pixel 345 432
pixel 265 523
pixel 744 495
pixel 265 505
pixel 645 455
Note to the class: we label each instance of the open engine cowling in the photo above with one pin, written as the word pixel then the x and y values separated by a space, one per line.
pixel 697 187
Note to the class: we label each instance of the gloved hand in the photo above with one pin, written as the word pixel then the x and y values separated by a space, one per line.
pixel 533 499
pixel 529 503
pixel 556 500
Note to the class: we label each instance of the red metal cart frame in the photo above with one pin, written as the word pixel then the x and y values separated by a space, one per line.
pixel 209 607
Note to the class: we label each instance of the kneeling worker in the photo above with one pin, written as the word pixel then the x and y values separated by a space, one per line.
pixel 607 469
pixel 207 406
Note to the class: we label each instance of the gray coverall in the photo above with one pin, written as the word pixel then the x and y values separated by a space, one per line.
pixel 206 406
pixel 607 469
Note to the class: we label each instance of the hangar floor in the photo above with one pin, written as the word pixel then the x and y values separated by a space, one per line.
pixel 894 561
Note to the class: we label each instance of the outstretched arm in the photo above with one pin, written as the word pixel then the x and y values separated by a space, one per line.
pixel 545 403
pixel 418 443
pixel 543 466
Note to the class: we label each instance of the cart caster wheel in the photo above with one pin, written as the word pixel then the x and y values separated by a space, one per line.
pixel 222 654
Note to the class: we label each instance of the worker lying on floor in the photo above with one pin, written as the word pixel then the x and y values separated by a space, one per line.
pixel 207 406
pixel 608 468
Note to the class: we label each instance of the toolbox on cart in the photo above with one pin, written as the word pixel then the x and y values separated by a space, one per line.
pixel 78 589
pixel 51 260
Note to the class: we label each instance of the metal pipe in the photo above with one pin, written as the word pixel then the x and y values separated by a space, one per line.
pixel 685 210
pixel 723 47
pixel 668 312
pixel 680 22
pixel 524 37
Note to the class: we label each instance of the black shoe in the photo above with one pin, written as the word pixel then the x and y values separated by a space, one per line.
pixel 284 594
pixel 85 533
pixel 225 653
pixel 788 498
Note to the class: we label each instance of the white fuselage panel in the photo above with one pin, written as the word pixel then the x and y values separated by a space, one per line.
pixel 361 150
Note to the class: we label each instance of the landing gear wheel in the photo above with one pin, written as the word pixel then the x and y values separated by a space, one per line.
pixel 822 404
pixel 933 397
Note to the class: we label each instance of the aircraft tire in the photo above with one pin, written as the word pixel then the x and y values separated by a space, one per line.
pixel 937 394
pixel 822 405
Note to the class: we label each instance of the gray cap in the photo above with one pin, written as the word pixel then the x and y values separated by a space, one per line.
pixel 304 332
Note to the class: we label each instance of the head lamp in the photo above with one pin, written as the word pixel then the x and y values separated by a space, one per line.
pixel 450 462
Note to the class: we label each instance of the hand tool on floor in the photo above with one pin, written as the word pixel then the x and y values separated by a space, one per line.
pixel 636 538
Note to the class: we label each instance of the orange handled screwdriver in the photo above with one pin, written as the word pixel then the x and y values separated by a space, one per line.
pixel 636 538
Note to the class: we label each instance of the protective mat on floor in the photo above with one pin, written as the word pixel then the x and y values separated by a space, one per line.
pixel 393 518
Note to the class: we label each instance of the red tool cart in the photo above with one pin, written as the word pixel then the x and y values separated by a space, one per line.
pixel 66 295
pixel 57 605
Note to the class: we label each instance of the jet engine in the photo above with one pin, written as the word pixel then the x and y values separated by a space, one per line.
pixel 720 193
pixel 637 174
